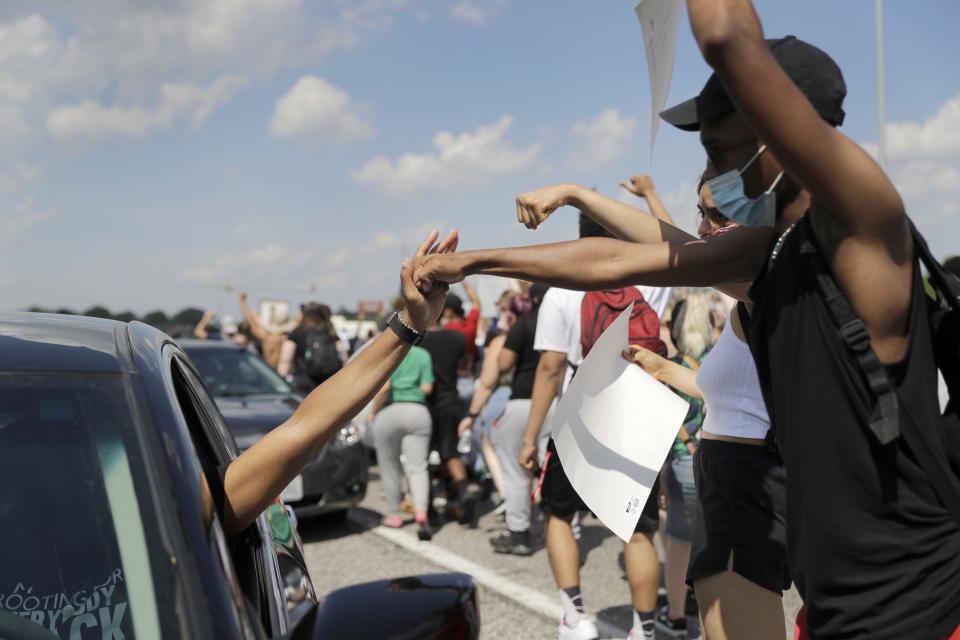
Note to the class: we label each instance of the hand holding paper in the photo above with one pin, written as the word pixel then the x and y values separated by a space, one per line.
pixel 613 429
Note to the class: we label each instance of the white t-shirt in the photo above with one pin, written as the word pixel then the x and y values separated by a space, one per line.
pixel 558 327
pixel 558 322
pixel 658 297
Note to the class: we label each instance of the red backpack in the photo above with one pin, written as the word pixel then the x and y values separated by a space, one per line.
pixel 600 308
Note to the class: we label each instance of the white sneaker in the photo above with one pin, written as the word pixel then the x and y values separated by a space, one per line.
pixel 639 633
pixel 574 625
pixel 582 629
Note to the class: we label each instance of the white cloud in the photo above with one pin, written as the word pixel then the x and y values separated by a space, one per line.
pixel 476 12
pixel 178 102
pixel 924 162
pixel 939 135
pixel 17 178
pixel 314 108
pixel 252 263
pixel 18 209
pixel 930 188
pixel 110 60
pixel 21 216
pixel 602 139
pixel 467 159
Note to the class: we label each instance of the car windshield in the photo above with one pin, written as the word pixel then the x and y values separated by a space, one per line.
pixel 236 372
pixel 75 555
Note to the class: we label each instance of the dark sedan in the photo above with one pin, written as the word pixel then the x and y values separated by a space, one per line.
pixel 254 399
pixel 108 440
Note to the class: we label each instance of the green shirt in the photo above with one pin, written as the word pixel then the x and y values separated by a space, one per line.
pixel 695 414
pixel 415 370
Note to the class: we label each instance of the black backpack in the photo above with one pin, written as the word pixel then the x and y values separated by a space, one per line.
pixel 320 358
pixel 941 467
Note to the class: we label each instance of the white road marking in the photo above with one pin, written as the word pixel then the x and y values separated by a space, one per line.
pixel 522 595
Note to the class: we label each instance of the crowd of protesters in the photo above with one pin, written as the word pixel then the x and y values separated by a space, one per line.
pixel 822 444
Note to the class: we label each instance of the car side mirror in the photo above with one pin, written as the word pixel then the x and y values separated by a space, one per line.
pixel 442 605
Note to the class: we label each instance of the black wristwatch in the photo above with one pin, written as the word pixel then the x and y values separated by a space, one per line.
pixel 405 333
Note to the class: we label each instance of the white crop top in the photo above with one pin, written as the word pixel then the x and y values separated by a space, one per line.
pixel 727 379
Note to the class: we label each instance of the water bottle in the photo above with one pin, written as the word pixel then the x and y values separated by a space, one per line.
pixel 466 442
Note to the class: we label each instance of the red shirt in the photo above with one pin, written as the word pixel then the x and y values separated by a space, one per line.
pixel 468 327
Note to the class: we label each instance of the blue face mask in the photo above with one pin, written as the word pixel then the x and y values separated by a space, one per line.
pixel 730 200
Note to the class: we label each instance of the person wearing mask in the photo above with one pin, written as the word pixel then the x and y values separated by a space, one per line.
pixel 830 239
pixel 403 427
pixel 742 597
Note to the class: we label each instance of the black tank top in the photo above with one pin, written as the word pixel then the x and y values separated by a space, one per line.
pixel 873 551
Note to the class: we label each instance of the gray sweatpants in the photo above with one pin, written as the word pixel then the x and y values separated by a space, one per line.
pixel 403 427
pixel 507 438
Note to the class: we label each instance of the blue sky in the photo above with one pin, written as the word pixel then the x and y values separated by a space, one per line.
pixel 152 157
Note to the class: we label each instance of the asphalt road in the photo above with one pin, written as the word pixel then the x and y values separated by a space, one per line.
pixel 517 595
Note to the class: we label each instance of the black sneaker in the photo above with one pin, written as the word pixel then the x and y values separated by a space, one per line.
pixel 673 628
pixel 469 515
pixel 424 532
pixel 514 543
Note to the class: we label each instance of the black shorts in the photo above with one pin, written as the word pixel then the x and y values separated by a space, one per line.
pixel 559 498
pixel 447 414
pixel 741 509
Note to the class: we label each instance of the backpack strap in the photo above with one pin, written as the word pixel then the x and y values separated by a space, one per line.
pixel 744 317
pixel 884 422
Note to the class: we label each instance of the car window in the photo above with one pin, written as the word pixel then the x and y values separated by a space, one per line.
pixel 236 373
pixel 75 557
pixel 208 433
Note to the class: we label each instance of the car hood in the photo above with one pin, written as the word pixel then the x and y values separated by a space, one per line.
pixel 256 413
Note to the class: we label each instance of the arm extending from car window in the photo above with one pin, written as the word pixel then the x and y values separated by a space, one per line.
pixel 260 473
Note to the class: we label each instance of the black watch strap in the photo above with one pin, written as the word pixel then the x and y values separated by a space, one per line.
pixel 405 333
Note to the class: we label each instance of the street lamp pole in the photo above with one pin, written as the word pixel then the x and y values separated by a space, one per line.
pixel 881 88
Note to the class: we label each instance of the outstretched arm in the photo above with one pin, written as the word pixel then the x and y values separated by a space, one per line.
pixel 256 329
pixel 857 214
pixel 200 331
pixel 600 263
pixel 642 186
pixel 666 371
pixel 622 220
pixel 261 472
pixel 471 295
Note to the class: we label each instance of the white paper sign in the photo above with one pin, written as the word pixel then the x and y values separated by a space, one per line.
pixel 613 428
pixel 659 20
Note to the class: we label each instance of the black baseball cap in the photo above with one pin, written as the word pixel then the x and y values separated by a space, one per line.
pixel 813 71
pixel 454 303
